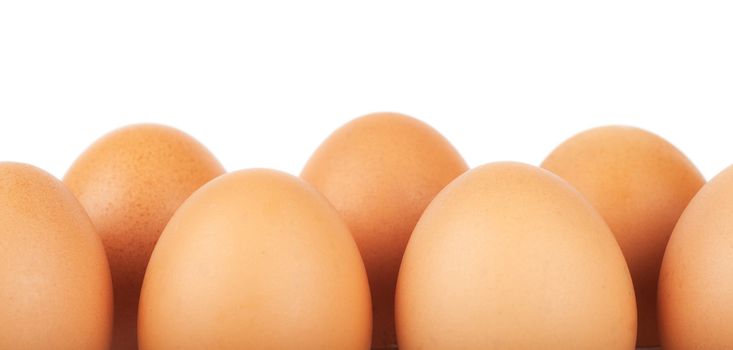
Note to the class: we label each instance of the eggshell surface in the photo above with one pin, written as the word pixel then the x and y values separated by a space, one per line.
pixel 130 182
pixel 380 171
pixel 255 259
pixel 696 278
pixel 55 284
pixel 640 184
pixel 510 256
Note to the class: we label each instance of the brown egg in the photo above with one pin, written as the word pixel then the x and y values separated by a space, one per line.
pixel 130 182
pixel 510 256
pixel 640 184
pixel 55 284
pixel 255 259
pixel 380 171
pixel 696 279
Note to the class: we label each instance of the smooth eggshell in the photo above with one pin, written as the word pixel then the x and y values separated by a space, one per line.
pixel 255 259
pixel 130 182
pixel 696 279
pixel 380 171
pixel 509 256
pixel 55 284
pixel 640 184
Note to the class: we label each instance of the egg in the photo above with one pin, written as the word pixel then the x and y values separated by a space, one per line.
pixel 510 256
pixel 640 184
pixel 55 284
pixel 130 182
pixel 380 171
pixel 696 278
pixel 255 259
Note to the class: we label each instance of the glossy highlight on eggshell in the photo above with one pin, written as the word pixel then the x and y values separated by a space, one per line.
pixel 55 284
pixel 130 182
pixel 510 256
pixel 255 259
pixel 640 184
pixel 380 171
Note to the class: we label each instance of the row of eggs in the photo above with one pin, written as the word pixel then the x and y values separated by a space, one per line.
pixel 386 239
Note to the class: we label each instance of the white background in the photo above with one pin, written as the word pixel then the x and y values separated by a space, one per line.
pixel 261 84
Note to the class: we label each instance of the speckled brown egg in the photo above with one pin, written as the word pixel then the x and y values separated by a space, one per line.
pixel 55 284
pixel 640 184
pixel 510 256
pixel 255 259
pixel 380 171
pixel 130 182
pixel 696 278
